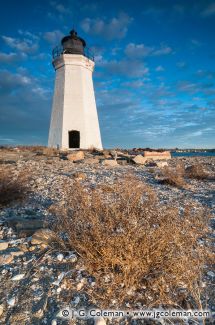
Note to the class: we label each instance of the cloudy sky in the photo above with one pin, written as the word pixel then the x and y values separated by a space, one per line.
pixel 155 69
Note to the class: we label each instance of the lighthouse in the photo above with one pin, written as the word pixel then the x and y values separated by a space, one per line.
pixel 74 119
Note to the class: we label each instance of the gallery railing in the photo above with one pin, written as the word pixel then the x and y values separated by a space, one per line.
pixel 58 51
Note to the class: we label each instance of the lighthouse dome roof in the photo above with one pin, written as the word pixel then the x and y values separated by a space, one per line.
pixel 73 44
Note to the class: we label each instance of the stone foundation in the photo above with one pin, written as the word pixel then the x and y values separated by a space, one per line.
pixel 157 155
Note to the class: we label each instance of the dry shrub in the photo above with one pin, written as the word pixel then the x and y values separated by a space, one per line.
pixel 174 176
pixel 47 151
pixel 13 186
pixel 137 249
pixel 196 171
pixel 31 148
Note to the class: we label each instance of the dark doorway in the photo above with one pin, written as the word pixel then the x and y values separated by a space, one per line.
pixel 74 139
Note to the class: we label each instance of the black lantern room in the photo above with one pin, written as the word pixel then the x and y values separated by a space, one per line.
pixel 73 44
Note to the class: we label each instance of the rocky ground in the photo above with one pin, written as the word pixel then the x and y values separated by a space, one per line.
pixel 37 280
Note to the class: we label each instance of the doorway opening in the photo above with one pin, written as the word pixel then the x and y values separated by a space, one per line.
pixel 74 139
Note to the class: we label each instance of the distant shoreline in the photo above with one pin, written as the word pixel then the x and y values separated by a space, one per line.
pixel 193 154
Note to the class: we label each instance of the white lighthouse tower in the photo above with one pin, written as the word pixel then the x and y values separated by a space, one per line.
pixel 74 119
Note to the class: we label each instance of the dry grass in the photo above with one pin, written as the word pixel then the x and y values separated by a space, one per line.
pixel 47 151
pixel 137 249
pixel 13 186
pixel 197 172
pixel 174 176
pixel 31 148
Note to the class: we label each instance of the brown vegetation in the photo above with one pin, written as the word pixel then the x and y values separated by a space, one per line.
pixel 13 186
pixel 31 148
pixel 196 171
pixel 47 151
pixel 137 249
pixel 174 176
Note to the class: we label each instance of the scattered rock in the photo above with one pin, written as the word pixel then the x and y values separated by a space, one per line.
pixel 81 284
pixel 43 246
pixel 43 236
pixel 23 248
pixel 17 253
pixel 91 161
pixel 3 245
pixel 114 154
pixel 211 274
pixel 12 301
pixel 161 164
pixel 106 154
pixel 39 307
pixel 46 270
pixel 76 156
pixel 72 258
pixel 75 301
pixel 32 248
pixel 6 259
pixel 79 176
pixel 100 321
pixel 139 160
pixel 60 257
pixel 59 279
pixel 18 277
pixel 110 162
pixel 1 310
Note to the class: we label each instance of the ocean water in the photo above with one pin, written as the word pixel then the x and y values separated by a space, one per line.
pixel 193 154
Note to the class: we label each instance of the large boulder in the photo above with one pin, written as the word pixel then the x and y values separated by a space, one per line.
pixel 43 236
pixel 110 162
pixel 3 245
pixel 6 259
pixel 106 154
pixel 139 160
pixel 161 164
pixel 157 155
pixel 75 156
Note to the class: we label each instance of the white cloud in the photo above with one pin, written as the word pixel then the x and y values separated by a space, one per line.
pixel 53 37
pixel 11 57
pixel 195 43
pixel 209 10
pixel 181 64
pixel 28 34
pixel 134 83
pixel 159 68
pixel 138 50
pixel 188 87
pixel 115 28
pixel 11 81
pixel 129 68
pixel 141 50
pixel 60 7
pixel 25 45
pixel 3 140
pixel 164 50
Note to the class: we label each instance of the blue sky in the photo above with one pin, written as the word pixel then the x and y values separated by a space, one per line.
pixel 155 69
